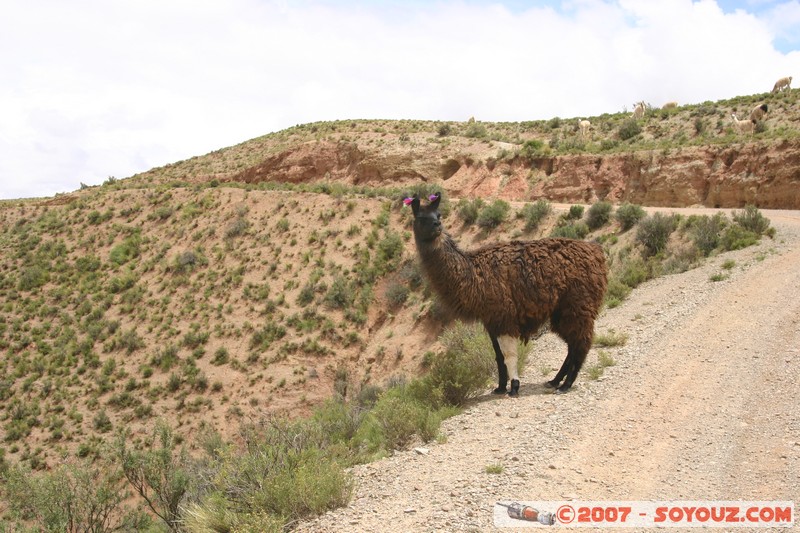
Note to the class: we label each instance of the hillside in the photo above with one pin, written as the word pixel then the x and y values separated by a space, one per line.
pixel 701 403
pixel 270 276
pixel 690 155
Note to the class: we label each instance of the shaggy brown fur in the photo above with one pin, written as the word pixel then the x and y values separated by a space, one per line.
pixel 516 287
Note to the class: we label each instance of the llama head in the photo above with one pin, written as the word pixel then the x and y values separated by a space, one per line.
pixel 427 220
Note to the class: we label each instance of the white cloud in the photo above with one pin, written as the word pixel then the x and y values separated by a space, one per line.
pixel 95 89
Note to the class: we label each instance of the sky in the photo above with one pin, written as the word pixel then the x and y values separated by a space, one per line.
pixel 92 89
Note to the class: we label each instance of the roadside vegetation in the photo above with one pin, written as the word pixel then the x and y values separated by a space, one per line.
pixel 213 355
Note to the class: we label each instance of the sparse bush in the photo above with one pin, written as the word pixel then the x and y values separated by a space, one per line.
pixel 159 474
pixel 576 230
pixel 466 367
pixel 389 251
pixel 187 261
pixel 468 210
pixel 654 232
pixel 705 231
pixel 534 148
pixel 629 129
pixel 752 220
pixel 617 291
pixel 612 338
pixel 32 277
pixel 102 422
pixel 236 228
pixel 575 212
pixel 221 356
pixel 598 215
pixel 340 294
pixel 628 215
pixel 475 130
pixel 736 237
pixel 129 249
pixel 396 294
pixel 264 337
pixel 73 498
pixel 400 416
pixel 533 214
pixel 493 214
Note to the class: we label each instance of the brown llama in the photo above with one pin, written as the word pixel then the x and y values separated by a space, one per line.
pixel 514 288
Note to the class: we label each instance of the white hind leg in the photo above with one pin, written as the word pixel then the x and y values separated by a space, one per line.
pixel 508 345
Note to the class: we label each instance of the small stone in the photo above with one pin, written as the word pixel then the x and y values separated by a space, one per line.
pixel 409 510
pixel 551 467
pixel 422 451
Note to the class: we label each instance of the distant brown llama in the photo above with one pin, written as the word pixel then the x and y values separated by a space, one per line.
pixel 514 288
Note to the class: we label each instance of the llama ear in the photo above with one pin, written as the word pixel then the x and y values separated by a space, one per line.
pixel 434 198
pixel 415 204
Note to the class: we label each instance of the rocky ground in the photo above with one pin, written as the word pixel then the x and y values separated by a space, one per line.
pixel 702 404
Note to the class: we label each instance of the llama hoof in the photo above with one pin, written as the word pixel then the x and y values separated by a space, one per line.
pixel 552 384
pixel 499 390
pixel 514 392
pixel 563 389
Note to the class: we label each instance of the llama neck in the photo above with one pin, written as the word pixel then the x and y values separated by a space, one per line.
pixel 451 273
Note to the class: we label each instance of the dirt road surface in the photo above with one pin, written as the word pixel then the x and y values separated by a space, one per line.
pixel 703 403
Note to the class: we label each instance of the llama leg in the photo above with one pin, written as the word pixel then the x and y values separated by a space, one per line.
pixel 509 347
pixel 565 366
pixel 502 373
pixel 578 350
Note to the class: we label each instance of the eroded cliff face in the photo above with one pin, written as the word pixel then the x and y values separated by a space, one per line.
pixel 765 174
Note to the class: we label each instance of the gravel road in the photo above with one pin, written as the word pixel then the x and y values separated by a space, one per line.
pixel 703 403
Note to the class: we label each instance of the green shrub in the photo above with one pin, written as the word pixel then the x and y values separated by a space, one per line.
pixel 617 291
pixel 636 271
pixel 158 474
pixel 706 231
pixel 468 210
pixel 129 249
pixel 236 228
pixel 32 278
pixel 340 294
pixel 87 263
pixel 73 497
pixel 400 417
pixel 598 215
pixel 534 148
pixel 533 214
pixel 654 231
pixel 475 130
pixel 287 471
pixel 576 230
pixel 629 129
pixel 493 214
pixel 465 368
pixel 221 356
pixel 575 212
pixel 628 215
pixel 187 261
pixel 102 422
pixel 612 338
pixel 389 251
pixel 752 220
pixel 396 294
pixel 264 337
pixel 736 237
